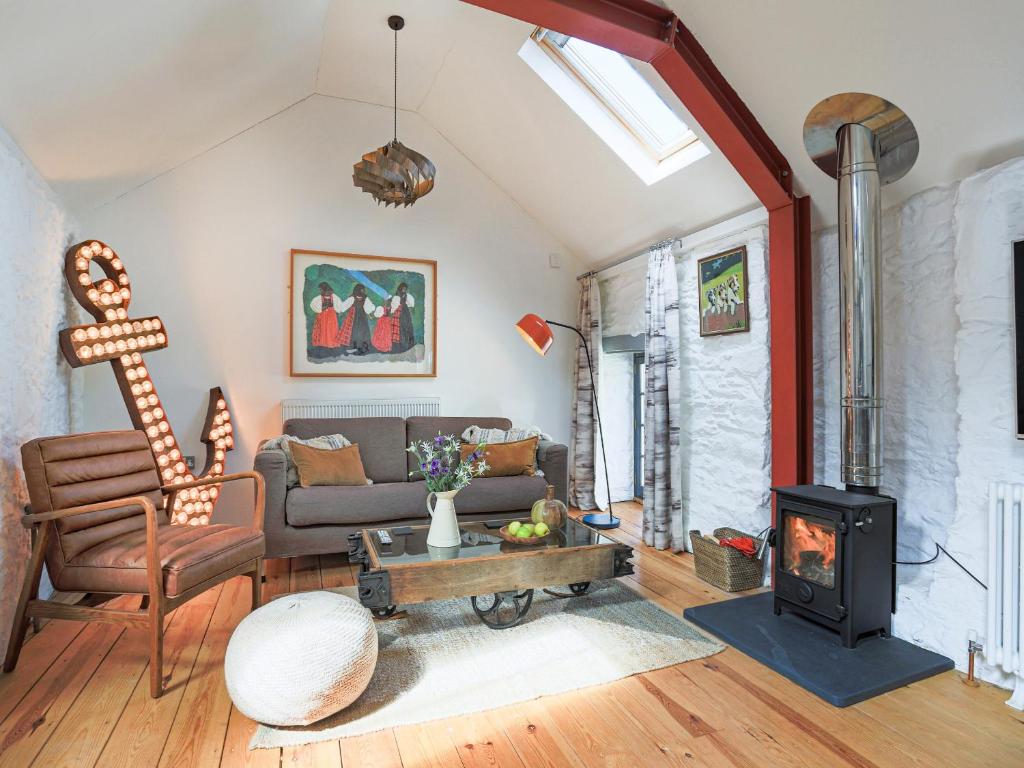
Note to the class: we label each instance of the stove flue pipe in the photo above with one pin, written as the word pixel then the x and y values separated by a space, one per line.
pixel 860 307
pixel 864 142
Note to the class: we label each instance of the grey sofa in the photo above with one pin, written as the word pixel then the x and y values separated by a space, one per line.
pixel 318 520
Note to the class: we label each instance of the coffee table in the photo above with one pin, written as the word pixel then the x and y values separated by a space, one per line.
pixel 498 576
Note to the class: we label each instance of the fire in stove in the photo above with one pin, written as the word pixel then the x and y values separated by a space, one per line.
pixel 810 550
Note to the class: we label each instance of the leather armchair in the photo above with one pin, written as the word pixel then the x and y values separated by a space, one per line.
pixel 98 522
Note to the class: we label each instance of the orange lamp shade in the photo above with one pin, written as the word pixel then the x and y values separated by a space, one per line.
pixel 536 332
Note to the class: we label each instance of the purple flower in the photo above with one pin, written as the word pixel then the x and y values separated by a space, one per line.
pixel 423 466
pixel 437 440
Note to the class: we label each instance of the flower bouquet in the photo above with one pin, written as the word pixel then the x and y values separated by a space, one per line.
pixel 446 473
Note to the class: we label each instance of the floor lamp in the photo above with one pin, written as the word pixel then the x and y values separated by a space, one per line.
pixel 537 333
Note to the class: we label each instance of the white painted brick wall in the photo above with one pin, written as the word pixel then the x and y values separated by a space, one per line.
pixel 725 396
pixel 949 381
pixel 35 386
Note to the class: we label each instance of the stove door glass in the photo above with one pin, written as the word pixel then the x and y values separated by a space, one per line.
pixel 809 549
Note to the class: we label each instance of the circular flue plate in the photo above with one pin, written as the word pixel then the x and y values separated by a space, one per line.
pixel 895 136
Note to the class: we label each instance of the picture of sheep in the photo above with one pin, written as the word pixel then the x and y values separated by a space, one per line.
pixel 722 283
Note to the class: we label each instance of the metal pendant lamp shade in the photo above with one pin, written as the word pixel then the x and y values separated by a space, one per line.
pixel 394 174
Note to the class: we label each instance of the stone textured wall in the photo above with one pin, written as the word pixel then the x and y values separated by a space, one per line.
pixel 726 439
pixel 726 449
pixel 35 387
pixel 949 389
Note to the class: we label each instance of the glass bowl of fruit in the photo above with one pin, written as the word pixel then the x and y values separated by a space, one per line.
pixel 518 532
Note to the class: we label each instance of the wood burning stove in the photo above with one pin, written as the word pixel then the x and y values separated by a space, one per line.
pixel 834 553
pixel 835 550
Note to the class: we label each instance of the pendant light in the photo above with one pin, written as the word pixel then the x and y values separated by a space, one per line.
pixel 394 174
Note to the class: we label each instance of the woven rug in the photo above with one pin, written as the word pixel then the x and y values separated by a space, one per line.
pixel 440 661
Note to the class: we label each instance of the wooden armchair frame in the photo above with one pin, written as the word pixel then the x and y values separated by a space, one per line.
pixel 155 604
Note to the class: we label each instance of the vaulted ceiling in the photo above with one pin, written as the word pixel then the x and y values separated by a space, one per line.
pixel 105 95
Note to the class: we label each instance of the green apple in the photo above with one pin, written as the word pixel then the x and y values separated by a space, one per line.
pixel 514 526
pixel 541 529
pixel 522 533
pixel 527 527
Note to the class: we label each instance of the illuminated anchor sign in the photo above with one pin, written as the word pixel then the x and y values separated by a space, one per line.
pixel 119 340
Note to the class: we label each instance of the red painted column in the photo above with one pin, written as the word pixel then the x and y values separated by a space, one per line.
pixel 785 344
pixel 805 333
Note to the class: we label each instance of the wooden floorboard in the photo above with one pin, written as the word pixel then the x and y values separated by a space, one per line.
pixel 80 697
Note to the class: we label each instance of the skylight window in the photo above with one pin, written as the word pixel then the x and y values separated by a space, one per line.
pixel 604 89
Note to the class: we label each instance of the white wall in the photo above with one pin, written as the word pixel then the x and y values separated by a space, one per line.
pixel 725 436
pixel 207 248
pixel 949 389
pixel 34 390
pixel 726 400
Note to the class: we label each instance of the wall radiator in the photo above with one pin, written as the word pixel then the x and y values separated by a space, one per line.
pixel 354 409
pixel 1004 640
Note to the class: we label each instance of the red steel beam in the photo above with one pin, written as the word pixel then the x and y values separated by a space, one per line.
pixel 651 33
pixel 805 326
pixel 719 111
pixel 636 28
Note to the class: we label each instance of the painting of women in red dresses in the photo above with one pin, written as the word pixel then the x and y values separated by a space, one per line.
pixel 395 331
pixel 362 315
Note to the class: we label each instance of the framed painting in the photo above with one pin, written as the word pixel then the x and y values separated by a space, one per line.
pixel 722 287
pixel 353 315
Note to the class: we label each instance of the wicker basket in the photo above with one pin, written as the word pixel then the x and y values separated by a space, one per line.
pixel 725 567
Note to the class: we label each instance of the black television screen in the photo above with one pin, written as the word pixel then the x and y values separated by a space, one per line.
pixel 1018 328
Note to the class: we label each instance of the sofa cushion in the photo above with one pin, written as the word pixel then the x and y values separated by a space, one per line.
pixel 506 459
pixel 341 466
pixel 499 494
pixel 419 428
pixel 354 504
pixel 381 442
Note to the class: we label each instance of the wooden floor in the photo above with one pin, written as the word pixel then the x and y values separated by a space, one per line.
pixel 80 697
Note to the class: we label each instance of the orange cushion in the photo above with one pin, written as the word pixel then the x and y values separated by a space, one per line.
pixel 507 459
pixel 318 466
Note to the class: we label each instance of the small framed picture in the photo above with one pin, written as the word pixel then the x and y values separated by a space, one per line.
pixel 722 286
pixel 353 315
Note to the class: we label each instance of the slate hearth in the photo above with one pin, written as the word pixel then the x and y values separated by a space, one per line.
pixel 814 657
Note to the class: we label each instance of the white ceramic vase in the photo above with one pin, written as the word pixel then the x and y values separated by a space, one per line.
pixel 444 527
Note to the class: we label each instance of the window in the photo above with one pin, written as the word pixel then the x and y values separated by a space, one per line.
pixel 639 382
pixel 604 89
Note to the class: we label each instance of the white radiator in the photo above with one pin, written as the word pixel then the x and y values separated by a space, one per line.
pixel 354 409
pixel 1004 640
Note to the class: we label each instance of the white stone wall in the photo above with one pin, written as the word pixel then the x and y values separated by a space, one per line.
pixel 35 386
pixel 949 389
pixel 725 395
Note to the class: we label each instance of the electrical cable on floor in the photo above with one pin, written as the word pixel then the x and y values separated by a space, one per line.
pixel 939 548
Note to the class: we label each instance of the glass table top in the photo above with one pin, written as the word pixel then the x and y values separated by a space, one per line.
pixel 479 539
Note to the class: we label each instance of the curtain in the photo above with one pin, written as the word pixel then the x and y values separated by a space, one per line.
pixel 584 419
pixel 664 522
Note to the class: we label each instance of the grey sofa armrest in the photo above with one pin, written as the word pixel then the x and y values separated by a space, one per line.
pixel 274 468
pixel 553 460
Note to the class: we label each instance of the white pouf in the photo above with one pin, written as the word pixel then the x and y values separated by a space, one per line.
pixel 300 658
